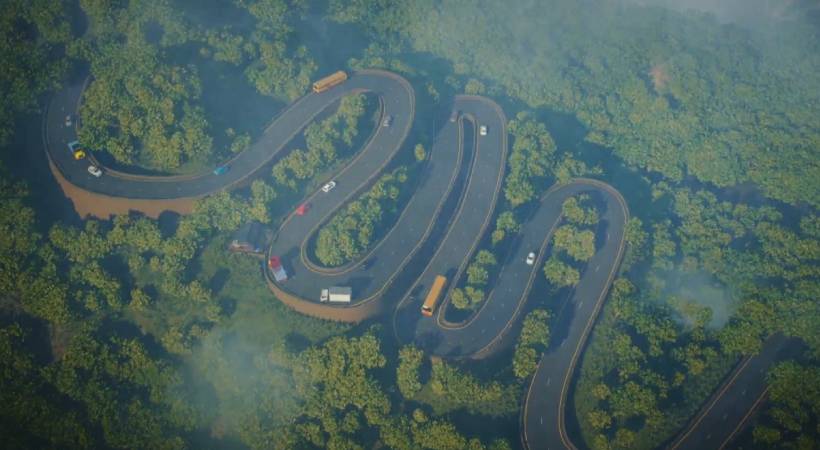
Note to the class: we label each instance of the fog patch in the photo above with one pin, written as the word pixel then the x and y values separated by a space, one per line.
pixel 748 13
pixel 237 381
pixel 691 292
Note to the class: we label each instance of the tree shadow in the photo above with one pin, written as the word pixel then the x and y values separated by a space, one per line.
pixel 218 280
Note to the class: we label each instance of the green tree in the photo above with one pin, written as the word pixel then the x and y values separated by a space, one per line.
pixel 578 211
pixel 636 243
pixel 525 361
pixel 407 373
pixel 262 195
pixel 530 159
pixel 578 244
pixel 504 224
pixel 419 152
pixel 532 341
pixel 560 274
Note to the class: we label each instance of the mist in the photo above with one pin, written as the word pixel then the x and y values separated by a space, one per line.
pixel 684 289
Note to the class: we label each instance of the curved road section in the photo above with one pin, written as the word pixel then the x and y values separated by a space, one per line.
pixel 370 276
pixel 426 220
pixel 395 92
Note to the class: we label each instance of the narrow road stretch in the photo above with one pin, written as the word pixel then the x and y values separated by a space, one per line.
pixel 728 411
pixel 437 231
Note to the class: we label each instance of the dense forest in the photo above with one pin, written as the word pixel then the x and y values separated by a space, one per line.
pixel 135 332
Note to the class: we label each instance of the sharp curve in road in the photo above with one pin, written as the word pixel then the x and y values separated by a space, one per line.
pixel 469 178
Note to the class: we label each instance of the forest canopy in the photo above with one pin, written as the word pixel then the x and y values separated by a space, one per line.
pixel 675 94
pixel 134 332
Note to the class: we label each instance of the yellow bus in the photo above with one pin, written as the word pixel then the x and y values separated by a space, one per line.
pixel 329 81
pixel 432 297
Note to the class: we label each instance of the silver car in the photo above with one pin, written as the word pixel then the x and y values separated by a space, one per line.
pixel 328 187
pixel 530 259
pixel 95 171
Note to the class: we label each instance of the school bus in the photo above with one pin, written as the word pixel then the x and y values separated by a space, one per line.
pixel 432 297
pixel 329 81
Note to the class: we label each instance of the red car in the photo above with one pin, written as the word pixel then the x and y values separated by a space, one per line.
pixel 302 209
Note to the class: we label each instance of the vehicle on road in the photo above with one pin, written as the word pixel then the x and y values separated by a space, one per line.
pixel 76 150
pixel 336 294
pixel 454 115
pixel 221 170
pixel 276 269
pixel 94 170
pixel 388 120
pixel 482 130
pixel 329 81
pixel 303 209
pixel 433 296
pixel 68 121
pixel 530 259
pixel 328 187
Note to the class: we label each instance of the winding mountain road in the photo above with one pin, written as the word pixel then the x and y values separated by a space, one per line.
pixel 450 210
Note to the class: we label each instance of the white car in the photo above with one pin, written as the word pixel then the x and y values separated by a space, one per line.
pixel 94 170
pixel 325 295
pixel 482 130
pixel 328 187
pixel 68 121
pixel 530 259
pixel 387 121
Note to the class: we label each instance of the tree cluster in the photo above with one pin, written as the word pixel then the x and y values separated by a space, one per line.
pixel 34 33
pixel 325 141
pixel 533 340
pixel 725 106
pixel 352 231
pixel 530 160
pixel 478 274
pixel 794 410
pixel 452 389
pixel 572 245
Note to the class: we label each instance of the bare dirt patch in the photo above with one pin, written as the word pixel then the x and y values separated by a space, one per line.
pixel 90 204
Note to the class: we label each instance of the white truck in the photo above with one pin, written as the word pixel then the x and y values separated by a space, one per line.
pixel 336 294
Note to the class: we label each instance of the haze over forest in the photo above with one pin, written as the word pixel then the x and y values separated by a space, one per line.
pixel 126 321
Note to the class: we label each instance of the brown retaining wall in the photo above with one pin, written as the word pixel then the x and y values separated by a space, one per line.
pixel 90 204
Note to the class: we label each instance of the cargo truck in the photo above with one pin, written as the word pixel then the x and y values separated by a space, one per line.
pixel 336 294
pixel 329 81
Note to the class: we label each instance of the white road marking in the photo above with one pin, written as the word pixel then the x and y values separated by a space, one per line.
pixel 580 304
pixel 597 267
pixel 542 420
pixel 549 380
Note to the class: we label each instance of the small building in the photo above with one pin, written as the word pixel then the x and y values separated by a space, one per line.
pixel 249 238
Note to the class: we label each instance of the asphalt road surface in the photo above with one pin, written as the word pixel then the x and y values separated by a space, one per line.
pixel 727 412
pixel 545 405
